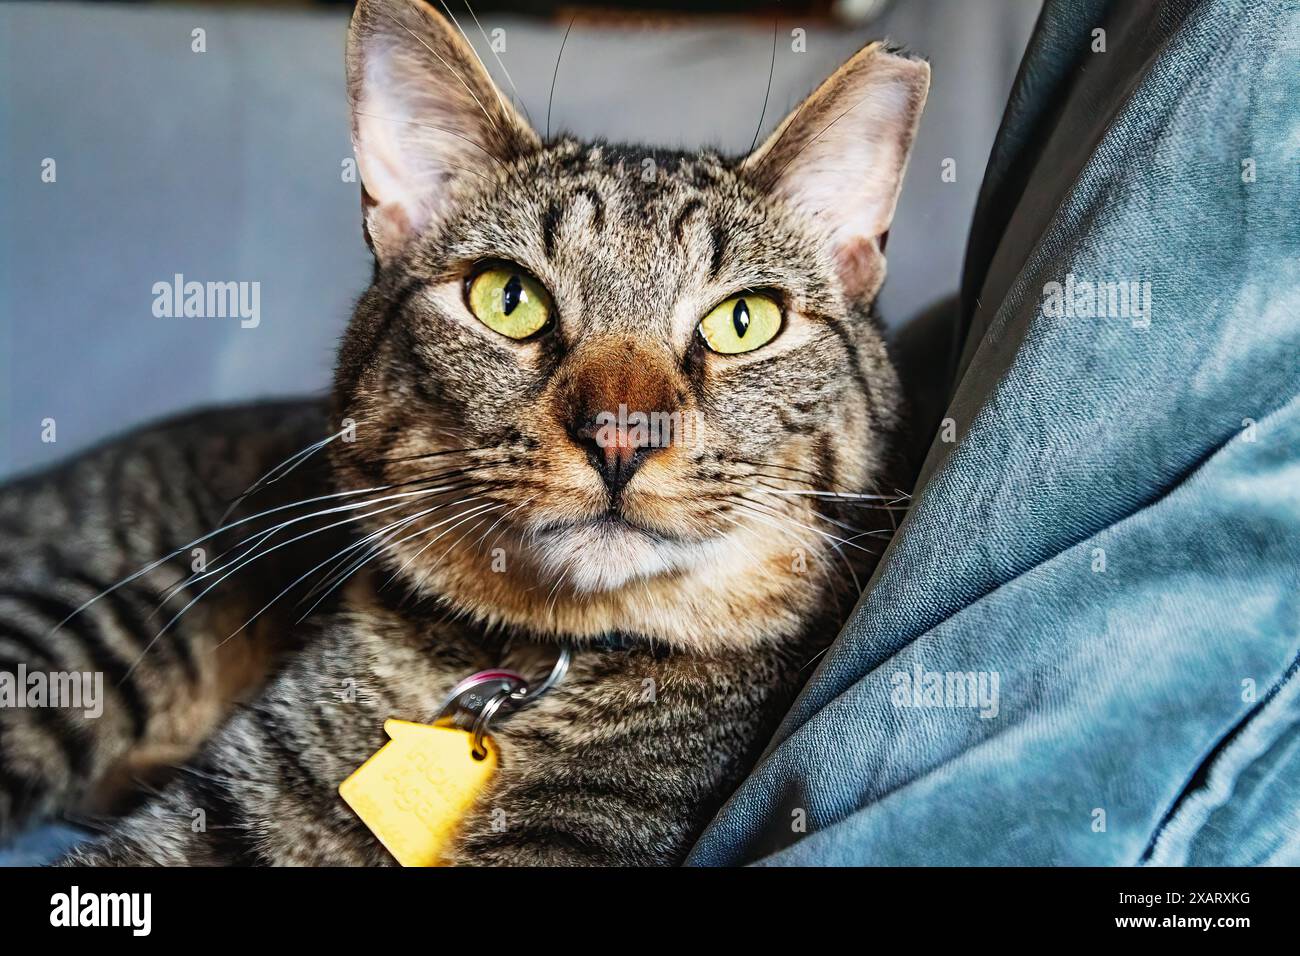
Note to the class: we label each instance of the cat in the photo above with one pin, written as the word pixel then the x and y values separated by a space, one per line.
pixel 463 501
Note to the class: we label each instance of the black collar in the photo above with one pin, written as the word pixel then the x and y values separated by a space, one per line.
pixel 610 641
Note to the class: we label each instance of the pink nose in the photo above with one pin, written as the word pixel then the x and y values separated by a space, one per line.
pixel 615 450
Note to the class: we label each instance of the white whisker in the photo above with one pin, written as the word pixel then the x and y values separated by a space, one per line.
pixel 420 40
pixel 153 565
pixel 422 531
pixel 263 535
pixel 356 544
pixel 246 561
pixel 829 494
pixel 456 23
pixel 297 458
pixel 500 62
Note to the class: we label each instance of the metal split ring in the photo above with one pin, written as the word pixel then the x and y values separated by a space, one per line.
pixel 494 703
pixel 558 670
pixel 514 690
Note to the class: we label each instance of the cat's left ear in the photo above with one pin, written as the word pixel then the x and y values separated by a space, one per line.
pixel 839 158
pixel 426 116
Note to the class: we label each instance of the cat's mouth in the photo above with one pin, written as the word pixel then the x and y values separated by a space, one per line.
pixel 610 549
pixel 611 522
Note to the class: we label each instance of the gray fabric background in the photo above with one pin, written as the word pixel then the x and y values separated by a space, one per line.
pixel 226 165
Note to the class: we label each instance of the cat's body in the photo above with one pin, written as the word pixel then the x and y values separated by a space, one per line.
pixel 472 512
pixel 623 762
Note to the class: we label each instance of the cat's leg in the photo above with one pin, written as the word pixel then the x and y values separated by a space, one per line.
pixel 70 534
pixel 170 830
pixel 595 806
pixel 264 790
pixel 250 815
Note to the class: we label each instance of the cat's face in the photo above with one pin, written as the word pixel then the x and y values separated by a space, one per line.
pixel 615 386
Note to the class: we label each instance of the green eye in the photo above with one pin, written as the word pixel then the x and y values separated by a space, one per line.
pixel 741 324
pixel 509 301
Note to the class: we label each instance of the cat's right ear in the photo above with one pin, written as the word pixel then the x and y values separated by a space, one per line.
pixel 425 114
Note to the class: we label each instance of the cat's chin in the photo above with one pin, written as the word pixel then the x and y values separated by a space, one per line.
pixel 608 553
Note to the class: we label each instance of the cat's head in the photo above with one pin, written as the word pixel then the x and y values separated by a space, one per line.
pixel 609 388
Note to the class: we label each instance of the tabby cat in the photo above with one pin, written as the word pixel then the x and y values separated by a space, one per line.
pixel 463 503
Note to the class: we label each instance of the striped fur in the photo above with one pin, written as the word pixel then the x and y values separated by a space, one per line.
pixel 469 525
pixel 69 535
pixel 622 764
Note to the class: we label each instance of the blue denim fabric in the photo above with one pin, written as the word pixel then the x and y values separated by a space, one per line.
pixel 41 846
pixel 1115 530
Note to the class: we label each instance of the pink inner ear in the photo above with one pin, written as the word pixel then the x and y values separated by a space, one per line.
pixel 387 226
pixel 861 266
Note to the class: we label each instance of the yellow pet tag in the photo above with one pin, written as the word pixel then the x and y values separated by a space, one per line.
pixel 415 790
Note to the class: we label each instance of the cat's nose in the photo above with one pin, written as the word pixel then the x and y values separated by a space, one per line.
pixel 616 450
pixel 616 397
